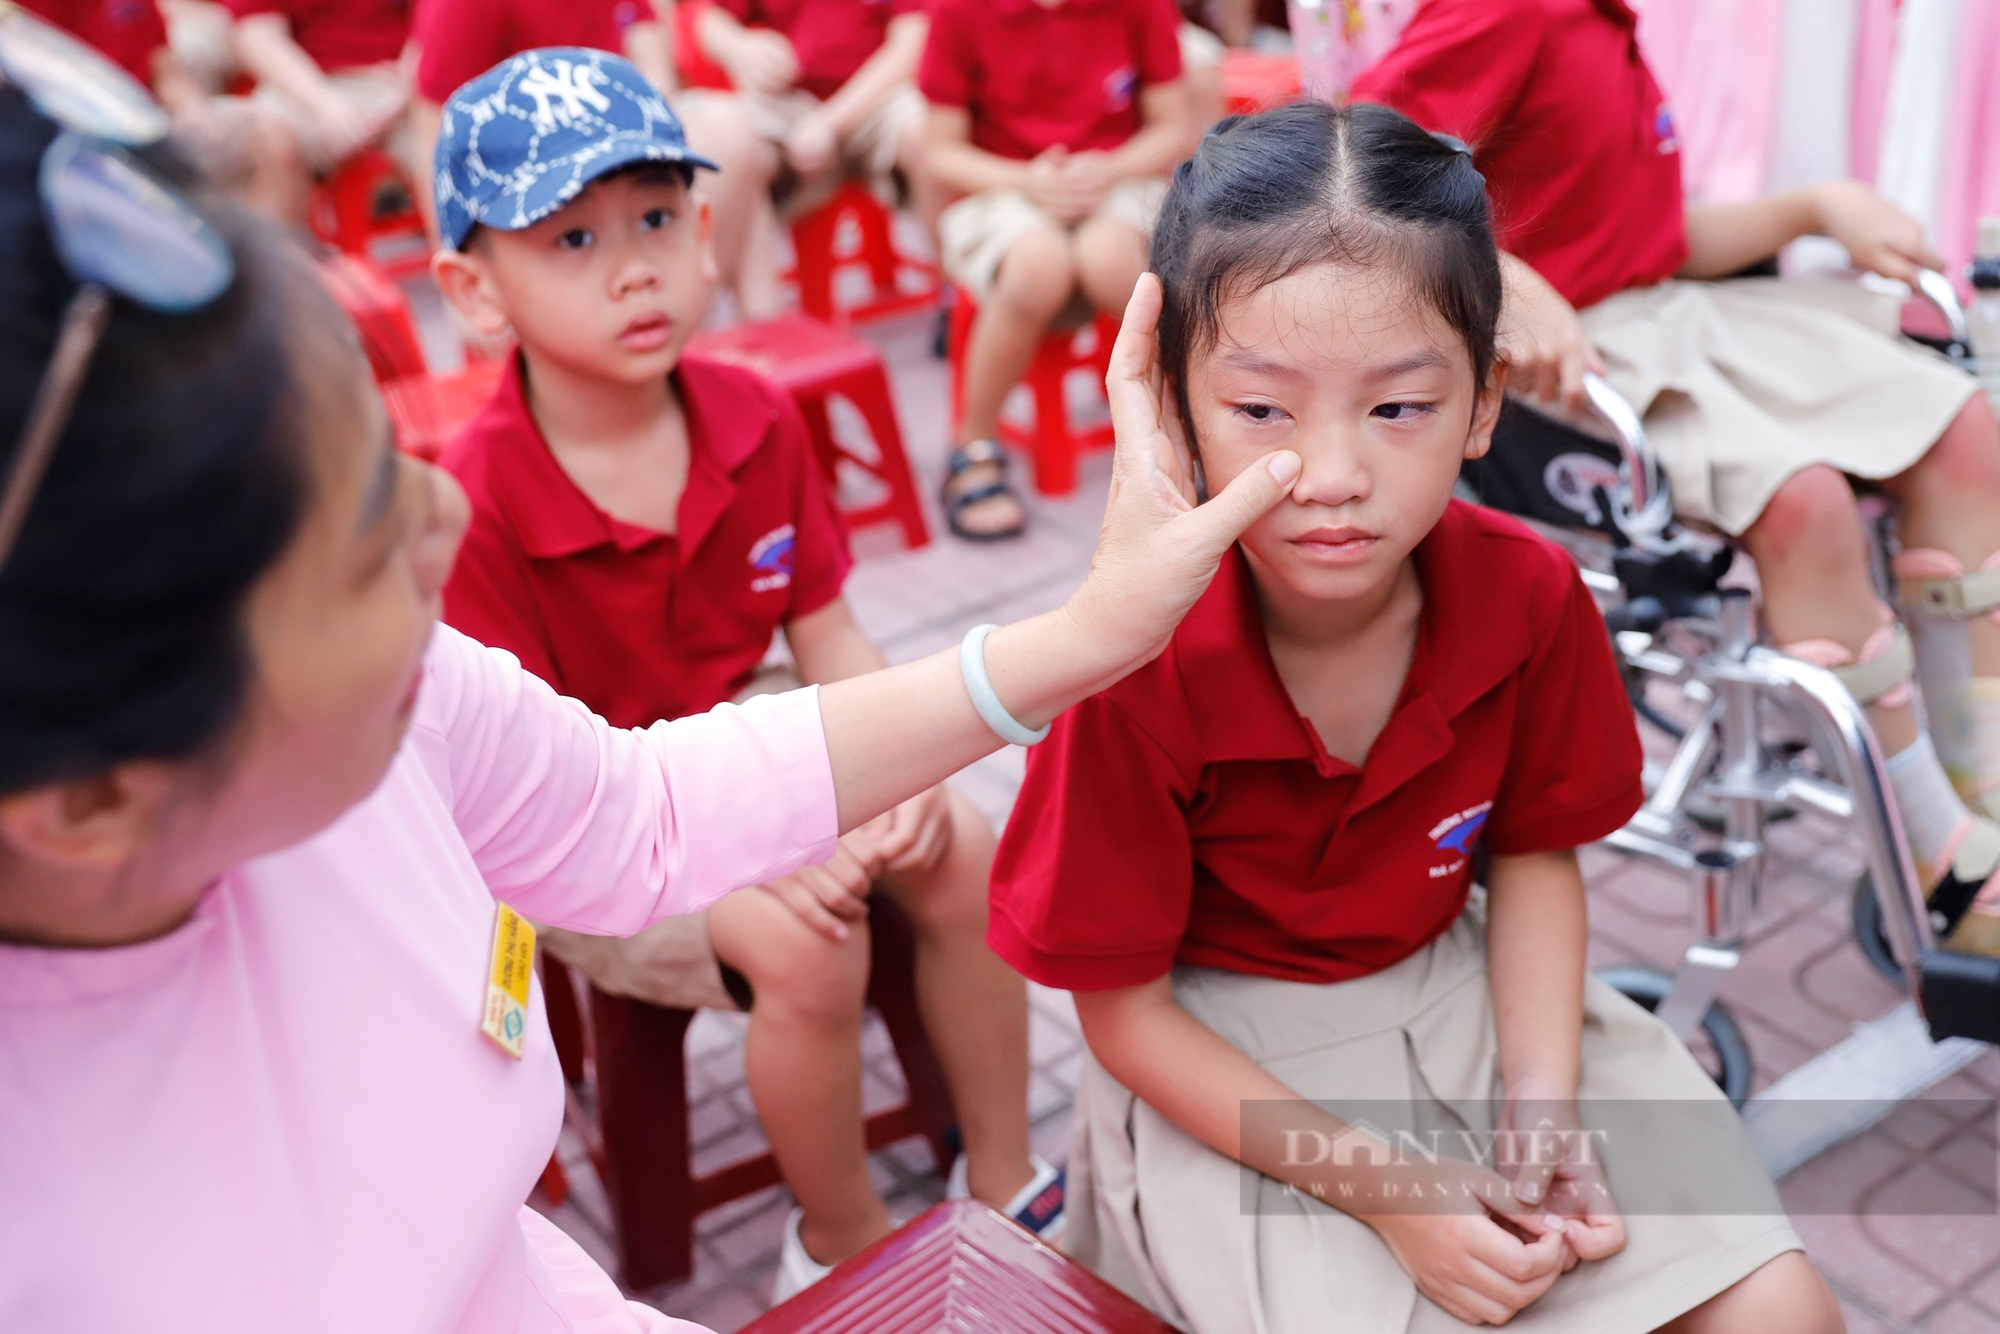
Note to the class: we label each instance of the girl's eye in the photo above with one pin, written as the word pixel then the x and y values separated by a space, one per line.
pixel 654 219
pixel 576 238
pixel 1400 412
pixel 1259 412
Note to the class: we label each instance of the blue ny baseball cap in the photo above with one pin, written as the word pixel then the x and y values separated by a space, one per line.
pixel 525 137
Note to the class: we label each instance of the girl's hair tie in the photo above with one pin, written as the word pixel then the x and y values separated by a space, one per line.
pixel 1453 142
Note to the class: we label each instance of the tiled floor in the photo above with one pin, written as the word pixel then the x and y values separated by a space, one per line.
pixel 1802 988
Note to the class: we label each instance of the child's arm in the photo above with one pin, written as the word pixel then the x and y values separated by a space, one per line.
pixel 758 60
pixel 1535 940
pixel 893 65
pixel 1166 133
pixel 960 167
pixel 1465 1262
pixel 649 44
pixel 1881 238
pixel 264 44
pixel 1541 341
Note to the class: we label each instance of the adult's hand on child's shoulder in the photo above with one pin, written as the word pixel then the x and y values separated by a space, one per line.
pixel 1879 237
pixel 1157 549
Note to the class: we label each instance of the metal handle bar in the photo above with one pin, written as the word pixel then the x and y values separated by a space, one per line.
pixel 1644 510
pixel 1935 288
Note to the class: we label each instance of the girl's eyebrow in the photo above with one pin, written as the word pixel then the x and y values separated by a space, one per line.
pixel 381 487
pixel 1430 359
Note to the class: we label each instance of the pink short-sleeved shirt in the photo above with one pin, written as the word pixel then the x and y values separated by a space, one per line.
pixel 283 1115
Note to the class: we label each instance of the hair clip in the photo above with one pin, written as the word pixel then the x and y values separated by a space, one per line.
pixel 1453 142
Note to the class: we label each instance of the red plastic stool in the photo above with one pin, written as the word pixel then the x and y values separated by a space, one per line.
pixel 639 1139
pixel 959 1266
pixel 1254 81
pixel 816 362
pixel 426 410
pixel 1054 441
pixel 855 228
pixel 368 208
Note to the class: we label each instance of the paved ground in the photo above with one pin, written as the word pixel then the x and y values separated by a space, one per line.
pixel 1803 987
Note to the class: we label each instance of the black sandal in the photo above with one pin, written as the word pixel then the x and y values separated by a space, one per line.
pixel 979 453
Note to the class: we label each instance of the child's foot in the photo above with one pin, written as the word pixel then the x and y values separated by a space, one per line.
pixel 797 1270
pixel 1037 1206
pixel 979 502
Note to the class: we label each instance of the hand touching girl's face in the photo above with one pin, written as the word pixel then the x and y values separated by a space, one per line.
pixel 1373 389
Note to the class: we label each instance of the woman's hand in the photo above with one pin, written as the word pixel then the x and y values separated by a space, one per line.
pixel 1879 237
pixel 1158 550
pixel 1541 341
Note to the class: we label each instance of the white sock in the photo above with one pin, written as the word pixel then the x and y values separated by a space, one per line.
pixel 1932 812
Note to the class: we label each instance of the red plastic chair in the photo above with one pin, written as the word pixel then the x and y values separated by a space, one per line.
pixel 1054 441
pixel 854 228
pixel 1254 81
pixel 368 208
pixel 426 410
pixel 816 362
pixel 635 1056
pixel 959 1266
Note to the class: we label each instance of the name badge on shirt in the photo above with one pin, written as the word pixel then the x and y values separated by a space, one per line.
pixel 506 1017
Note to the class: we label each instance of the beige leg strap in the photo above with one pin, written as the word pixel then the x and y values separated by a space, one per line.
pixel 1936 583
pixel 1883 671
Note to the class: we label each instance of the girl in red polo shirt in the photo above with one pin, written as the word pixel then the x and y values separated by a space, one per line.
pixel 1252 861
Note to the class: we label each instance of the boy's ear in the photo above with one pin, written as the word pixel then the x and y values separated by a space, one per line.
pixel 466 280
pixel 711 267
pixel 1486 411
pixel 90 824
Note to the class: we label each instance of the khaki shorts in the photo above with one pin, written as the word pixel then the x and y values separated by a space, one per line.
pixel 1218 1249
pixel 375 90
pixel 867 152
pixel 1743 383
pixel 976 233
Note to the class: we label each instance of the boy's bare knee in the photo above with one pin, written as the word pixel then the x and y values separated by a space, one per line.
pixel 1036 278
pixel 791 967
pixel 950 897
pixel 1110 256
pixel 1966 458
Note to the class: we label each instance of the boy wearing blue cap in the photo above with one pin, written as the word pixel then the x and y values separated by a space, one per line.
pixel 643 523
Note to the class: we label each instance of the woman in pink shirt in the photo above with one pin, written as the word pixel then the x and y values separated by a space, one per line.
pixel 256 808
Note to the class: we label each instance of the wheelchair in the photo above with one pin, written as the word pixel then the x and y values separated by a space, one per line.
pixel 1758 734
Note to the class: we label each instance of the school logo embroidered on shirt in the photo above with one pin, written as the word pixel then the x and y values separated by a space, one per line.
pixel 1663 130
pixel 771 557
pixel 1456 834
pixel 1119 85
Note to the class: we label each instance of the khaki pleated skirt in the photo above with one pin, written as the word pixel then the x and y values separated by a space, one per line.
pixel 1216 1249
pixel 1742 383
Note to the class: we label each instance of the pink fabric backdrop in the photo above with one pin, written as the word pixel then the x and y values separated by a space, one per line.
pixel 1969 185
pixel 1718 61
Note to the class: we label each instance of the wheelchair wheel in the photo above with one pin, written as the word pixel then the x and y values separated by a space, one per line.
pixel 1727 1058
pixel 1870 936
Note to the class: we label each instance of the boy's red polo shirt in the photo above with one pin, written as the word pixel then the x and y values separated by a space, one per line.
pixel 1034 76
pixel 129 32
pixel 462 39
pixel 1189 814
pixel 832 38
pixel 642 625
pixel 1574 137
pixel 339 34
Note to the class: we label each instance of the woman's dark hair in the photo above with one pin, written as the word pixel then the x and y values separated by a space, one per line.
pixel 176 484
pixel 1268 195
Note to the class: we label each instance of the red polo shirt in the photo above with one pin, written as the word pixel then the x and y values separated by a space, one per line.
pixel 1189 814
pixel 339 34
pixel 642 625
pixel 1574 137
pixel 462 39
pixel 1034 76
pixel 832 38
pixel 127 31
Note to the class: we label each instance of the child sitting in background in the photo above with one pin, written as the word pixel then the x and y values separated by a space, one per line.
pixel 1057 120
pixel 1252 859
pixel 333 69
pixel 643 523
pixel 830 87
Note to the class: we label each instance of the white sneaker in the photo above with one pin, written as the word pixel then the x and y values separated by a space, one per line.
pixel 1037 1206
pixel 797 1270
